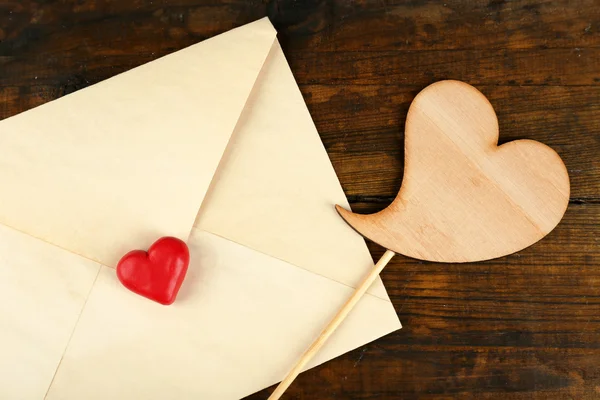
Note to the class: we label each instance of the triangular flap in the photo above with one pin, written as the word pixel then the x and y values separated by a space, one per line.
pixel 112 167
pixel 275 189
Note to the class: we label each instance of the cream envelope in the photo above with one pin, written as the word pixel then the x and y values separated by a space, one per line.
pixel 214 140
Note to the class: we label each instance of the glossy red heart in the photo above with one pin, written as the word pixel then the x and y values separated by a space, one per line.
pixel 158 273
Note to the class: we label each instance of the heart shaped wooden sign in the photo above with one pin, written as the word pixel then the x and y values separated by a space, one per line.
pixel 463 197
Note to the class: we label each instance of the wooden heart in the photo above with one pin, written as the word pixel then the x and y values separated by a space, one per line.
pixel 463 197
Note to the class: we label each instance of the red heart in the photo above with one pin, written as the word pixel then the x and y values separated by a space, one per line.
pixel 158 273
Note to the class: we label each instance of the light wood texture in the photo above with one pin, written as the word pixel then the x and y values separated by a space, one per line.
pixel 463 198
pixel 333 325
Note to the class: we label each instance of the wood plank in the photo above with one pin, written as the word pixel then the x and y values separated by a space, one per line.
pixel 31 26
pixel 547 294
pixel 389 370
pixel 441 25
pixel 576 66
pixel 362 128
pixel 538 67
pixel 520 327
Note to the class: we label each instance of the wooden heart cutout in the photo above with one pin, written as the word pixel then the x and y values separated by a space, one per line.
pixel 463 197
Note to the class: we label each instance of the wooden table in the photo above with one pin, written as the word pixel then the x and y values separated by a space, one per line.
pixel 525 326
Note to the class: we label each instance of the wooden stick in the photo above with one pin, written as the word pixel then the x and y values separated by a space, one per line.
pixel 333 325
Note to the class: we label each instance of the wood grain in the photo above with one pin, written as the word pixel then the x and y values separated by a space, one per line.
pixel 567 67
pixel 362 127
pixel 522 327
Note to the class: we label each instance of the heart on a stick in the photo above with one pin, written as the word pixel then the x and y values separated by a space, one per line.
pixel 158 273
pixel 463 197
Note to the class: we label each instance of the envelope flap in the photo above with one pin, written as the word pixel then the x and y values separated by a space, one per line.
pixel 112 167
pixel 275 189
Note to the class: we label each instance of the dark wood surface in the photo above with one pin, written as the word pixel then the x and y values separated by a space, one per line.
pixel 526 326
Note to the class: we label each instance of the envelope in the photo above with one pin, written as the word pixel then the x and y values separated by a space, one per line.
pixel 212 144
